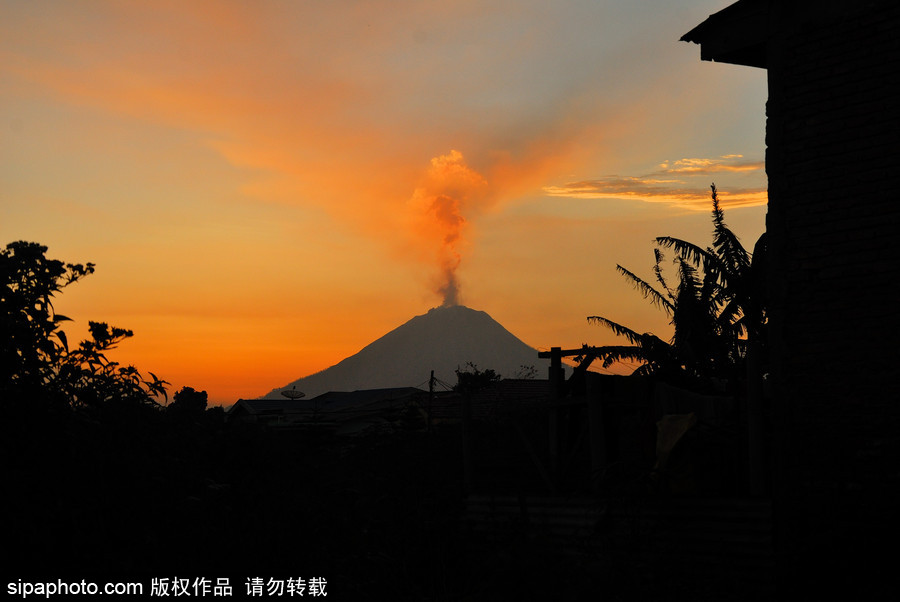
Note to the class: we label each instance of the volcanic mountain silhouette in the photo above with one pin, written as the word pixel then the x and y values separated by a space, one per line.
pixel 444 339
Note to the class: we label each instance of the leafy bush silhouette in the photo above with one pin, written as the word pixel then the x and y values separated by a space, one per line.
pixel 38 364
pixel 471 379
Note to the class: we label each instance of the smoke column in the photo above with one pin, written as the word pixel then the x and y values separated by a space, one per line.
pixel 450 189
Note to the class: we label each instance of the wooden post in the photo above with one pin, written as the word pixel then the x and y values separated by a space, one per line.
pixel 596 430
pixel 556 384
pixel 557 376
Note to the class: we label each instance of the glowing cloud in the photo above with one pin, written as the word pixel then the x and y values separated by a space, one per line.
pixel 726 163
pixel 449 189
pixel 676 183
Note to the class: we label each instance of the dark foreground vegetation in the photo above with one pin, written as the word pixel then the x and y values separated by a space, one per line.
pixel 107 478
pixel 149 495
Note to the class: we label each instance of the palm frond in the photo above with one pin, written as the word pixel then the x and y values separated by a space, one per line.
pixel 659 257
pixel 688 279
pixel 730 251
pixel 650 349
pixel 710 290
pixel 688 251
pixel 718 215
pixel 645 370
pixel 610 354
pixel 725 242
pixel 648 292
pixel 622 331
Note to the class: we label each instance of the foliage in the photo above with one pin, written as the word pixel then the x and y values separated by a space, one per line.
pixel 37 362
pixel 472 379
pixel 528 372
pixel 188 401
pixel 716 309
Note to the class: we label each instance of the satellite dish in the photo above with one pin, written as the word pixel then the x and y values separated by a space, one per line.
pixel 293 394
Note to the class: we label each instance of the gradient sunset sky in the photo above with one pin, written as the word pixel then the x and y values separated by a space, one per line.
pixel 266 187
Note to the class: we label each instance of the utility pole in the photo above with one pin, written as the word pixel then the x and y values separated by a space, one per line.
pixel 430 399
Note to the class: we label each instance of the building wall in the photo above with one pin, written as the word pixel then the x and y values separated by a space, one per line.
pixel 834 224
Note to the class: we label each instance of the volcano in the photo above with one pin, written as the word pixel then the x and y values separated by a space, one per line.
pixel 444 339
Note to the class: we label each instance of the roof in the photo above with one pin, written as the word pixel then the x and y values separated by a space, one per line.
pixel 499 398
pixel 368 405
pixel 742 33
pixel 736 34
pixel 338 400
pixel 333 408
pixel 267 406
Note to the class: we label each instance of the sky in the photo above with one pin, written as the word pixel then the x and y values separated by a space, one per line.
pixel 266 187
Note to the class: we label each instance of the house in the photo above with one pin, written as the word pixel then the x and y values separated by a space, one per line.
pixel 268 412
pixel 367 409
pixel 490 403
pixel 832 137
pixel 340 412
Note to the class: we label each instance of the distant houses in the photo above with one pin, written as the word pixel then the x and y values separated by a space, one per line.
pixel 369 410
pixel 338 412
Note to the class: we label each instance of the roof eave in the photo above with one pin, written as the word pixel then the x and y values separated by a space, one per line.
pixel 736 34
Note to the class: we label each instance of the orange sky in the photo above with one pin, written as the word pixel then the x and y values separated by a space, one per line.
pixel 267 187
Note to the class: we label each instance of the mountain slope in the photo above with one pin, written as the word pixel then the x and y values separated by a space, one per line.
pixel 444 339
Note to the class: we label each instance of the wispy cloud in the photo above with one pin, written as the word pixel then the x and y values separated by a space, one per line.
pixel 675 183
pixel 725 163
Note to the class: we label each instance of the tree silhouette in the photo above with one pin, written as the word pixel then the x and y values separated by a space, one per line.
pixel 717 309
pixel 37 362
pixel 188 402
pixel 472 379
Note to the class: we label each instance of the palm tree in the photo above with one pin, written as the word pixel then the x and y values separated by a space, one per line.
pixel 717 309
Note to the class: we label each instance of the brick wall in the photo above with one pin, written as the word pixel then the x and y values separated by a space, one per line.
pixel 833 138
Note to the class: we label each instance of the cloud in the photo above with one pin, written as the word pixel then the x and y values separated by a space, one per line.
pixel 726 163
pixel 675 183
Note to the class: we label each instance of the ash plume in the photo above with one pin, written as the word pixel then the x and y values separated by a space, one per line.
pixel 449 190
